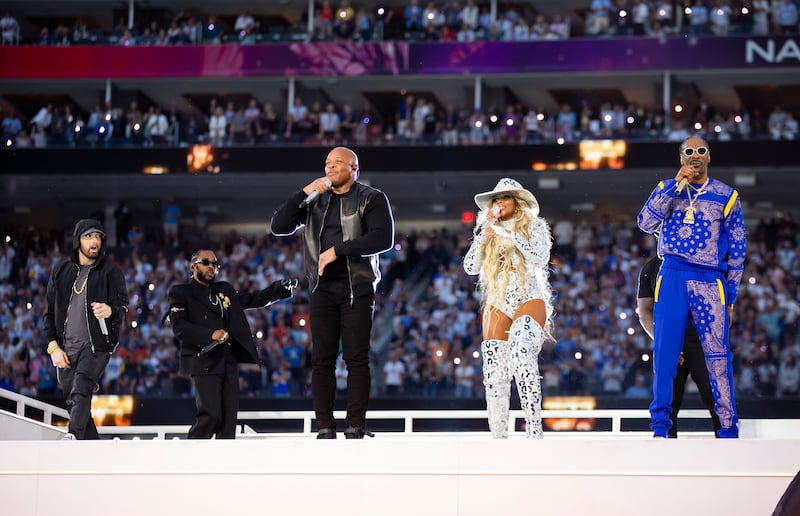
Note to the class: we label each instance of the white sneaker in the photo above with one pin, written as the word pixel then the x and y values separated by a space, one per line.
pixel 68 437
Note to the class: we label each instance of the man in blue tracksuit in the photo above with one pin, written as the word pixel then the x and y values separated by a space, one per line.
pixel 702 243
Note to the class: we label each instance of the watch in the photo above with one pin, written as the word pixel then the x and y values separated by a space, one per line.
pixel 52 347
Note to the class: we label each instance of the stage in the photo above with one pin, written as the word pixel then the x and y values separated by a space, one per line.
pixel 398 474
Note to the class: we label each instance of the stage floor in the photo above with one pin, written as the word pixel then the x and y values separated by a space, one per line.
pixel 398 474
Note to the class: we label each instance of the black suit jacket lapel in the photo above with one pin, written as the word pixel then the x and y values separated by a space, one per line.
pixel 205 295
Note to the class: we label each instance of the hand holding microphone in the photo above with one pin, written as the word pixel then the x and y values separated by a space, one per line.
pixel 684 174
pixel 217 338
pixel 99 310
pixel 491 218
pixel 318 187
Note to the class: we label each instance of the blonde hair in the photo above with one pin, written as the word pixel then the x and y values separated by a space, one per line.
pixel 498 256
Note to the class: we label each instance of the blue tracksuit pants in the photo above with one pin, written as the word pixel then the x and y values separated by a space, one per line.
pixel 684 294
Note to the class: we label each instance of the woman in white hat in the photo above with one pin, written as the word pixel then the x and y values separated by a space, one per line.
pixel 511 251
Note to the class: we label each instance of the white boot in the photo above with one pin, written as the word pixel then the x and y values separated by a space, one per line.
pixel 525 339
pixel 497 383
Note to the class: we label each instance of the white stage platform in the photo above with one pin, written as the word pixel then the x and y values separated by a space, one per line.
pixel 398 474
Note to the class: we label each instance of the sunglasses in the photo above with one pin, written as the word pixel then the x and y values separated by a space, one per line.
pixel 207 262
pixel 701 151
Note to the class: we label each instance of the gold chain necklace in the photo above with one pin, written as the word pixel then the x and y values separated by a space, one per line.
pixel 79 291
pixel 689 217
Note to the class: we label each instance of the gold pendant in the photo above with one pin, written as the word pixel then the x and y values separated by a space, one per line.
pixel 689 217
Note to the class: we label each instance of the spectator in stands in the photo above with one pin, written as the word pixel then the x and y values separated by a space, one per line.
pixel 691 360
pixel 720 18
pixel 270 123
pixel 702 242
pixel 325 19
pixel 86 305
pixel 347 225
pixel 698 18
pixel 760 17
pixel 394 372
pixel 208 320
pixel 344 23
pixel 244 21
pixel 640 15
pixel 786 17
pixel 9 30
pixel 413 17
pixel 212 31
pixel 44 117
pixel 600 17
pixel 790 127
pixel 329 125
pixel 11 126
pixel 171 217
pixel 638 389
pixel 218 127
pixel 157 126
pixel 510 252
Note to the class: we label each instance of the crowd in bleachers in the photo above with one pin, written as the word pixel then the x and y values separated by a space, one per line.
pixel 433 21
pixel 426 338
pixel 416 120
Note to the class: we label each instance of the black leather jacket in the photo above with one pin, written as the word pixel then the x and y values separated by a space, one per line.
pixel 367 229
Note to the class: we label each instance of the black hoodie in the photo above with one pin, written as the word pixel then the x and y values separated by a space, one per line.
pixel 105 284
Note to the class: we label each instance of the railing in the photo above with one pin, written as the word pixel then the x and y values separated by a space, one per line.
pixel 410 416
pixel 23 401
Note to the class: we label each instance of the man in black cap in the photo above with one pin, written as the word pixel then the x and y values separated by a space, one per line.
pixel 86 305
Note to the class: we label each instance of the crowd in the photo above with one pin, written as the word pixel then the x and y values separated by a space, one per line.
pixel 426 336
pixel 416 120
pixel 434 21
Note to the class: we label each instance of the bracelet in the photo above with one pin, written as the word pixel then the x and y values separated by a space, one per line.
pixel 52 347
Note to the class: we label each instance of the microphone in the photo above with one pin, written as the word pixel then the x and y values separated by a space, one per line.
pixel 208 347
pixel 103 327
pixel 495 211
pixel 312 196
pixel 681 185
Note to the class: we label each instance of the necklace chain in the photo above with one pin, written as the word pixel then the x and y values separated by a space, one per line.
pixel 79 291
pixel 688 218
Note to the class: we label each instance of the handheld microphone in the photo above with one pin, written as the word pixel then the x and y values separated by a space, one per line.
pixel 312 196
pixel 495 211
pixel 681 185
pixel 208 347
pixel 103 327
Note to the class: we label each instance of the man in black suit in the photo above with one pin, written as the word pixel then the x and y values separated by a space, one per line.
pixel 208 319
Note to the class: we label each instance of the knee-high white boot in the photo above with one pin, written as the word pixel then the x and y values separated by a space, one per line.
pixel 525 339
pixel 497 383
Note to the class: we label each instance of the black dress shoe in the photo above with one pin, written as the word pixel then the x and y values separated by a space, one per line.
pixel 326 433
pixel 354 432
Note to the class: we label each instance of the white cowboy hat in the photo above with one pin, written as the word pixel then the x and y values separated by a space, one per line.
pixel 508 185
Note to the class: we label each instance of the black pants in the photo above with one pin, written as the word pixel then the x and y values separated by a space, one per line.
pixel 336 317
pixel 694 364
pixel 78 383
pixel 217 400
